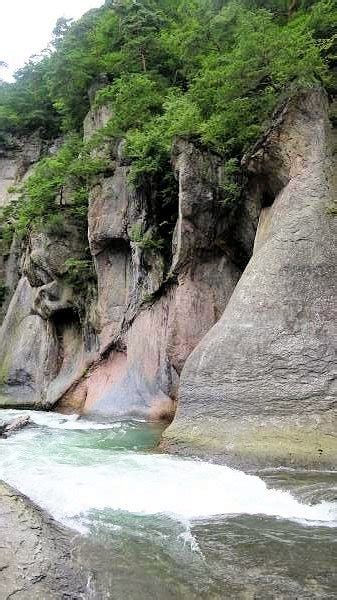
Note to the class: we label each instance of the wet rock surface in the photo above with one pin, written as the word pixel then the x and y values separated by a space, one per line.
pixel 7 429
pixel 36 558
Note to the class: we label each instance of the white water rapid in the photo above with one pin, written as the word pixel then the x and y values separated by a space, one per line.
pixel 71 467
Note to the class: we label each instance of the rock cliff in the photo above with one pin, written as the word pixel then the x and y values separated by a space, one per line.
pixel 164 277
pixel 174 298
pixel 270 359
pixel 37 554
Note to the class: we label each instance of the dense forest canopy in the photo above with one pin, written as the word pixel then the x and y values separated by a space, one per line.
pixel 212 70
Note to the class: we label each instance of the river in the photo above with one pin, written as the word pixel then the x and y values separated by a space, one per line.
pixel 162 526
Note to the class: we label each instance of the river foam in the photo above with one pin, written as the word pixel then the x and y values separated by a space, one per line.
pixel 55 420
pixel 72 481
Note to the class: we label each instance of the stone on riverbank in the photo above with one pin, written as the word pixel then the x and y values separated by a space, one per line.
pixel 36 557
pixel 17 424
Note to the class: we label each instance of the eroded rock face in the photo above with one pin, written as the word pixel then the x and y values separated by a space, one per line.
pixel 109 214
pixel 28 352
pixel 28 345
pixel 10 274
pixel 201 216
pixel 45 266
pixel 16 162
pixel 272 352
pixel 149 325
pixel 119 348
pixel 42 350
pixel 95 119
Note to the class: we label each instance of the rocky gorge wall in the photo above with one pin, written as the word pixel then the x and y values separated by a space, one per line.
pixel 16 162
pixel 155 297
pixel 175 300
pixel 267 370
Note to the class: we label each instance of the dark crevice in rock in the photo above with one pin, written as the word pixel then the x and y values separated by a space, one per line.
pixel 66 320
pixel 111 245
pixel 267 198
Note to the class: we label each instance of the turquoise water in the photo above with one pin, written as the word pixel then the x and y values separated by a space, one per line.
pixel 160 526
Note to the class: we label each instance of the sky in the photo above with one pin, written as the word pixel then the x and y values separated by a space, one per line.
pixel 26 27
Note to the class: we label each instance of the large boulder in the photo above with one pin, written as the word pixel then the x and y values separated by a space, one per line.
pixel 271 356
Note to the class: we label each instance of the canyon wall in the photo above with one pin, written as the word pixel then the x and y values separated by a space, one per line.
pixel 117 347
pixel 175 300
pixel 270 360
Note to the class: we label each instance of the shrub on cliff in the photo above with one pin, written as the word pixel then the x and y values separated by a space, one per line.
pixel 59 184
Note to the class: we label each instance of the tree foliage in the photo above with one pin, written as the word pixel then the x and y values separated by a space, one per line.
pixel 211 70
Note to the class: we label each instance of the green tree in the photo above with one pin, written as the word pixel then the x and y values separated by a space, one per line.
pixel 209 70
